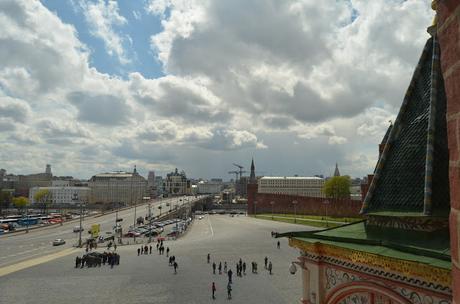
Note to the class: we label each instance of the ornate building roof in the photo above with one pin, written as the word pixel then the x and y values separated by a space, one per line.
pixel 412 173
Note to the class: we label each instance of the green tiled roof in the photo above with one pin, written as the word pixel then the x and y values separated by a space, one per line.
pixel 433 251
pixel 412 172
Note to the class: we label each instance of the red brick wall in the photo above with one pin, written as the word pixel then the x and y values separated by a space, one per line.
pixel 448 12
pixel 306 205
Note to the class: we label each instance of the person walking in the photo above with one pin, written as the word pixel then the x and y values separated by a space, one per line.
pixel 150 249
pixel 220 267
pixel 213 289
pixel 138 251
pixel 278 244
pixel 209 258
pixel 266 261
pixel 142 249
pixel 244 268
pixel 114 247
pixel 213 268
pixel 167 251
pixel 229 291
pixel 175 267
pixel 158 245
pixel 225 267
pixel 229 274
pixel 270 267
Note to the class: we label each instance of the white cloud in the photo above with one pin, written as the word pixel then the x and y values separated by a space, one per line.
pixel 242 77
pixel 102 17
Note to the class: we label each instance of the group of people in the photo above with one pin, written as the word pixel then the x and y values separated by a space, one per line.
pixel 161 250
pixel 94 259
pixel 240 271
pixel 148 249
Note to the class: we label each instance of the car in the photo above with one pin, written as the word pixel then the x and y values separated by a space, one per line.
pixel 200 217
pixel 58 242
pixel 152 233
pixel 77 229
pixel 132 234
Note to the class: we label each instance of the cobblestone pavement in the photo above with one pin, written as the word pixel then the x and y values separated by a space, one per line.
pixel 149 279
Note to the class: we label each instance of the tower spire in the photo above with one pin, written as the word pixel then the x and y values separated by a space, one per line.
pixel 336 171
pixel 252 177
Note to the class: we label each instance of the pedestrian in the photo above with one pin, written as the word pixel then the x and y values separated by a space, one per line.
pixel 213 289
pixel 114 247
pixel 230 273
pixel 244 268
pixel 142 249
pixel 255 267
pixel 138 251
pixel 209 257
pixel 229 291
pixel 220 267
pixel 146 249
pixel 270 267
pixel 170 261
pixel 158 245
pixel 77 261
pixel 225 266
pixel 278 244
pixel 213 268
pixel 175 267
pixel 167 251
pixel 150 249
pixel 266 261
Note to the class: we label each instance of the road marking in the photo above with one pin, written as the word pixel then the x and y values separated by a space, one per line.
pixel 37 261
pixel 210 225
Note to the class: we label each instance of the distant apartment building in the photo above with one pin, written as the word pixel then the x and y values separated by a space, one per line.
pixel 205 187
pixel 23 183
pixel 292 185
pixel 62 195
pixel 151 186
pixel 123 188
pixel 176 183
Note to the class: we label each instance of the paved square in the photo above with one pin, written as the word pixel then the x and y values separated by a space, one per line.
pixel 149 278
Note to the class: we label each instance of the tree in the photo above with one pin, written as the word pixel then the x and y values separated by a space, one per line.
pixel 337 187
pixel 5 200
pixel 43 197
pixel 20 202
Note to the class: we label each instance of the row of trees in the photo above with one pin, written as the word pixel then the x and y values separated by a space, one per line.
pixel 42 197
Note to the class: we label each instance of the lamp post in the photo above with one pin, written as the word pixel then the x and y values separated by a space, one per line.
pixel 326 202
pixel 295 211
pixel 75 198
pixel 27 219
pixel 150 224
pixel 272 203
pixel 255 209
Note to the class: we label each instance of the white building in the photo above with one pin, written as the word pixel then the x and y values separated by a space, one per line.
pixel 120 187
pixel 209 187
pixel 62 195
pixel 293 185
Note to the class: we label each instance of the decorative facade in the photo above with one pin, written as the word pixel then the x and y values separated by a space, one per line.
pixel 176 184
pixel 400 252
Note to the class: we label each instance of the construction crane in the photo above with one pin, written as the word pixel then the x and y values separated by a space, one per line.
pixel 241 171
pixel 236 174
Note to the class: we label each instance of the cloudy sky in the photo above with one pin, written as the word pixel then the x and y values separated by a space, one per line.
pixel 92 86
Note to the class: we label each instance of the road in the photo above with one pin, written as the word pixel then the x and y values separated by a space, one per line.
pixel 149 279
pixel 21 246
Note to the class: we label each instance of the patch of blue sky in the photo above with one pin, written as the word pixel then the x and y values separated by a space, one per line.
pixel 137 49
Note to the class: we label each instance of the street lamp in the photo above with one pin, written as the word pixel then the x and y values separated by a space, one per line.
pixel 75 198
pixel 295 211
pixel 272 203
pixel 326 202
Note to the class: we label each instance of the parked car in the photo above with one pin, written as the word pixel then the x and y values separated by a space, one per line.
pixel 132 234
pixel 58 242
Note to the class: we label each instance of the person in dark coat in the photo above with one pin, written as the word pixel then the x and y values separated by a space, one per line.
pixel 229 274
